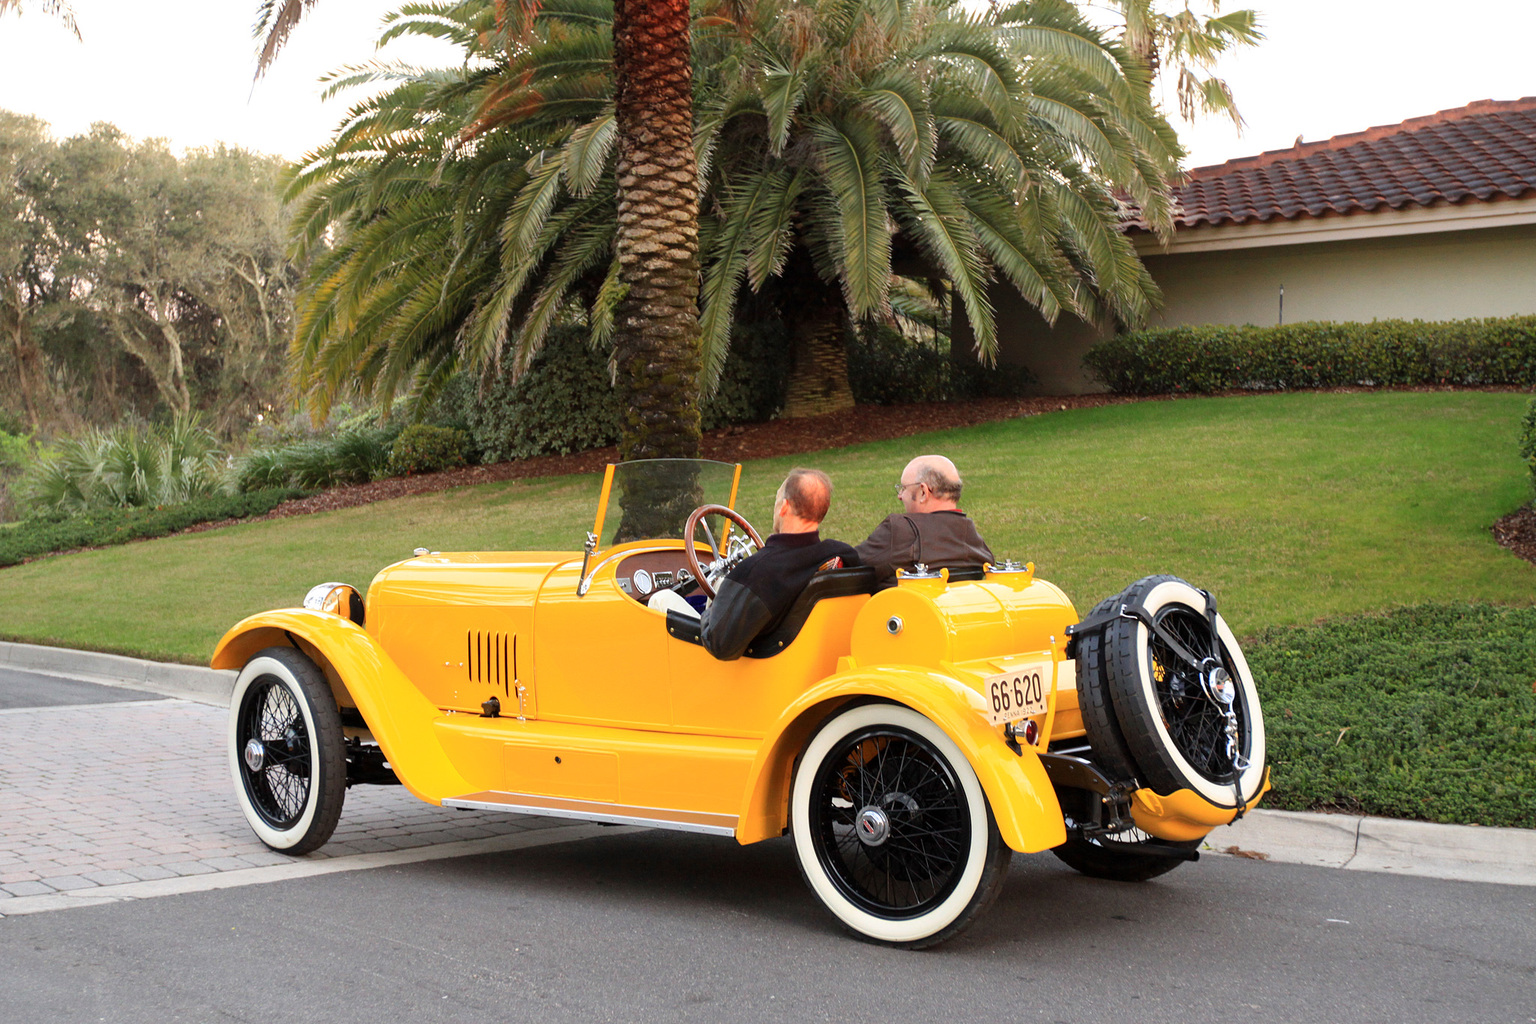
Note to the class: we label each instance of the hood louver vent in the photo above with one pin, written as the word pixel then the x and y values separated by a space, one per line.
pixel 491 658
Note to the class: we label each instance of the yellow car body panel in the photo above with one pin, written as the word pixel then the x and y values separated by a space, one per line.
pixel 363 676
pixel 1022 799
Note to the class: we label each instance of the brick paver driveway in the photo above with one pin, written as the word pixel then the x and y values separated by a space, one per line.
pixel 103 794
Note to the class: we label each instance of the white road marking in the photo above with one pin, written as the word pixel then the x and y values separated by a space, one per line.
pixel 86 704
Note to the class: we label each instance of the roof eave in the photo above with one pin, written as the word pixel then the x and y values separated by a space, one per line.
pixel 1383 222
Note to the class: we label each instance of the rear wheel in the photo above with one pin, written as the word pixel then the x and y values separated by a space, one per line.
pixel 286 751
pixel 892 830
pixel 1121 858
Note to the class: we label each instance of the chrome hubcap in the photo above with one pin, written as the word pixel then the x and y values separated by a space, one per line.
pixel 1220 685
pixel 255 754
pixel 873 826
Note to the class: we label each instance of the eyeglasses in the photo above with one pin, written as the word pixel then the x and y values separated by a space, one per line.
pixel 901 488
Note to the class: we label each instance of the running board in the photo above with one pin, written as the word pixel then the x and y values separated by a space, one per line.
pixel 593 810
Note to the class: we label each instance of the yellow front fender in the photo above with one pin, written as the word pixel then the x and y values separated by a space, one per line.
pixel 1023 801
pixel 397 713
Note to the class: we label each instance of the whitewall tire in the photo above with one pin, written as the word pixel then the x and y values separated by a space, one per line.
pixel 286 752
pixel 892 830
pixel 1174 719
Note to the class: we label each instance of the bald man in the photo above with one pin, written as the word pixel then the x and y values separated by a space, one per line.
pixel 930 528
pixel 754 596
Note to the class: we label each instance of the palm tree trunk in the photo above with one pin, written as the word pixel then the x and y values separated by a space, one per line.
pixel 656 350
pixel 818 375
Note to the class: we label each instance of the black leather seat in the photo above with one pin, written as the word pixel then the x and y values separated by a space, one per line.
pixel 847 582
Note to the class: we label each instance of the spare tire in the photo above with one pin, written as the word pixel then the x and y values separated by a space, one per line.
pixel 1110 752
pixel 1171 699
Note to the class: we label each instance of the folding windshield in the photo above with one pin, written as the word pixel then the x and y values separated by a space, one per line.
pixel 649 499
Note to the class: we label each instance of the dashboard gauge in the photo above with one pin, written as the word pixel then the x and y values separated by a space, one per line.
pixel 642 581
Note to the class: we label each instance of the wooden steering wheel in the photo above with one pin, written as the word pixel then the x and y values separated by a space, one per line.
pixel 690 547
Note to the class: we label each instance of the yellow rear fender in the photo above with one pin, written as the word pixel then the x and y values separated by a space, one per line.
pixel 361 676
pixel 1022 798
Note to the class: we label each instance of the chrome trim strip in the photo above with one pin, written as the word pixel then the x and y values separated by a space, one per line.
pixel 592 810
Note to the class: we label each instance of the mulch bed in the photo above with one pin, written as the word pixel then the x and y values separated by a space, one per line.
pixel 1517 532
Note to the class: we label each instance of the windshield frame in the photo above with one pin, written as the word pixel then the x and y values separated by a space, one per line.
pixel 595 542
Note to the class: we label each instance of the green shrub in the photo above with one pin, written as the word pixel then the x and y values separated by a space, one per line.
pixel 1499 351
pixel 15 451
pixel 353 456
pixel 887 368
pixel 756 373
pixel 1426 713
pixel 127 467
pixel 565 402
pixel 1528 439
pixel 59 530
pixel 15 456
pixel 423 448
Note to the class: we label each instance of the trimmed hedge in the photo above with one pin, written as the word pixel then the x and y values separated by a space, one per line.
pixel 1426 713
pixel 423 448
pixel 1496 351
pixel 58 531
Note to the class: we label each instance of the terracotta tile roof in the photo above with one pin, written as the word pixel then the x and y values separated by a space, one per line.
pixel 1483 151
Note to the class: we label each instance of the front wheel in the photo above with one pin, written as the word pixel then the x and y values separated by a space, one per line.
pixel 286 751
pixel 892 830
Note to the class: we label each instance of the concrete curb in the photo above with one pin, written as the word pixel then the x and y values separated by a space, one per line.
pixel 1467 853
pixel 1506 856
pixel 188 682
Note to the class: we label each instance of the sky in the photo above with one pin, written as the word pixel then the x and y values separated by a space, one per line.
pixel 182 69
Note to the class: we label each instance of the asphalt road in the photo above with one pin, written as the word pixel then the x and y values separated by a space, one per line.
pixel 668 927
pixel 22 689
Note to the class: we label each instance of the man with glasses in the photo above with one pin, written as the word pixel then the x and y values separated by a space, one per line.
pixel 931 529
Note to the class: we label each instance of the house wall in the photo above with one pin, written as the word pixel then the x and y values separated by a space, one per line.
pixel 1451 275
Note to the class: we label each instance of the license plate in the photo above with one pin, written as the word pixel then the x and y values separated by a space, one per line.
pixel 1018 693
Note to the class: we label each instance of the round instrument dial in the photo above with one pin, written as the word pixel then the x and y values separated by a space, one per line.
pixel 642 581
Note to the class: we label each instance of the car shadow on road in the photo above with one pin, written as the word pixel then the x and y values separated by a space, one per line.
pixel 692 876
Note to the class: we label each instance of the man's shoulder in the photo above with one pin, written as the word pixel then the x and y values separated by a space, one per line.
pixel 830 549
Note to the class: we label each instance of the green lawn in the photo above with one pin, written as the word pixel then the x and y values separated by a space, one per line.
pixel 1289 507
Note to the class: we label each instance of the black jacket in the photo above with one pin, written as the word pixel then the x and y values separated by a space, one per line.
pixel 940 540
pixel 754 596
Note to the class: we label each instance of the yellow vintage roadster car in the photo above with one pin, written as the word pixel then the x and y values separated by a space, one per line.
pixel 908 739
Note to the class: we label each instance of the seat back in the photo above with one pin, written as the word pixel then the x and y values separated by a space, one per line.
pixel 847 582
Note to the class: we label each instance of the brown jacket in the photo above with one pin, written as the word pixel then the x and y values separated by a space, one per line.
pixel 944 539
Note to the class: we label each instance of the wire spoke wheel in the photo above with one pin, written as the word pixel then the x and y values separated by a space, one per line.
pixel 1183 697
pixel 890 825
pixel 892 830
pixel 1120 858
pixel 286 751
pixel 1194 720
pixel 279 788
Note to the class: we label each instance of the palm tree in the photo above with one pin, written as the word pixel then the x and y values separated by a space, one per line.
pixel 1191 45
pixel 474 208
pixel 992 144
pixel 58 8
pixel 656 245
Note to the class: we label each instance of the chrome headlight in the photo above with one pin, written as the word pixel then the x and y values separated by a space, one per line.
pixel 338 599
